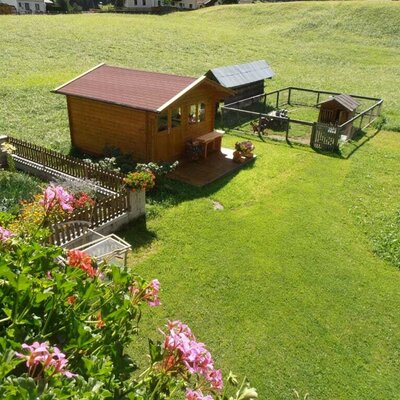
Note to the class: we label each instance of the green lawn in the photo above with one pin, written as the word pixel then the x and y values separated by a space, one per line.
pixel 283 283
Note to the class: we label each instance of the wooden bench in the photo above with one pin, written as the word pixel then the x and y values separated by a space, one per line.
pixel 213 138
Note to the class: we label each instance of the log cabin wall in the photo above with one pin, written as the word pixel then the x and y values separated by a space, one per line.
pixel 332 112
pixel 169 144
pixel 246 91
pixel 95 124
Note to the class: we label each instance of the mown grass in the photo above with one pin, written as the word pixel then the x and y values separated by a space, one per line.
pixel 283 284
pixel 338 46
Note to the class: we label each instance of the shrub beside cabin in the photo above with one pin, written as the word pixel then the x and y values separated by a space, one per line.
pixel 149 115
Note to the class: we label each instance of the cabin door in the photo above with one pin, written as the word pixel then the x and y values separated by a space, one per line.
pixel 164 146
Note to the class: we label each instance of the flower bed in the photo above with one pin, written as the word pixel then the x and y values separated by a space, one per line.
pixel 64 327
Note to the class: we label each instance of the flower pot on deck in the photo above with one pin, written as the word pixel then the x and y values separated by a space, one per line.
pixel 248 155
pixel 237 157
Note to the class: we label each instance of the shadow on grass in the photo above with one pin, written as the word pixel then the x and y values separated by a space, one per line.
pixel 169 194
pixel 357 142
pixel 173 192
pixel 137 234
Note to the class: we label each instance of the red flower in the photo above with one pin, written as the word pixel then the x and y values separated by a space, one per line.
pixel 83 200
pixel 100 322
pixel 79 259
pixel 71 299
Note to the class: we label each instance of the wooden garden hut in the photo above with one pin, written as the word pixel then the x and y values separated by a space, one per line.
pixel 337 109
pixel 147 114
pixel 246 80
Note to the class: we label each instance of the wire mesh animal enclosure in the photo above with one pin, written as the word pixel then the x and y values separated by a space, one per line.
pixel 293 114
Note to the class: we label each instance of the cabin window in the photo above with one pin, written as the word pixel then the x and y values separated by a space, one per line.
pixel 193 114
pixel 135 2
pixel 163 122
pixel 27 7
pixel 144 2
pixel 202 112
pixel 37 7
pixel 197 113
pixel 176 117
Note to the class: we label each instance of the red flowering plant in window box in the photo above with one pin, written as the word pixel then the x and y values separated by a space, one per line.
pixel 140 181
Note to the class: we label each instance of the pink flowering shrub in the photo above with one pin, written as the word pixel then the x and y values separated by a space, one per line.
pixel 5 234
pixel 183 351
pixel 41 360
pixel 56 196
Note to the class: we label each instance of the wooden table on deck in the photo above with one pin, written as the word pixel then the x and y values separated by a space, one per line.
pixel 214 138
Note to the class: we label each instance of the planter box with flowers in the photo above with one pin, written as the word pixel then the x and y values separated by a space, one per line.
pixel 243 150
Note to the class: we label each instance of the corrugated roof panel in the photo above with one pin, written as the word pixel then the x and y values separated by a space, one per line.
pixel 241 74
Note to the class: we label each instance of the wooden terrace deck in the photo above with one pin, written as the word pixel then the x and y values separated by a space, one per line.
pixel 205 171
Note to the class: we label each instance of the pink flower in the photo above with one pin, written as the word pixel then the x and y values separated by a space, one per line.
pixel 190 353
pixel 215 378
pixel 5 234
pixel 39 353
pixel 149 293
pixel 56 195
pixel 196 395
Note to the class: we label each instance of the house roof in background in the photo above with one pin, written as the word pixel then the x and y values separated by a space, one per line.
pixel 129 87
pixel 241 74
pixel 344 99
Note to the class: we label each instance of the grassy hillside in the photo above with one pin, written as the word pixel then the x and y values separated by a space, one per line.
pixel 283 283
pixel 341 46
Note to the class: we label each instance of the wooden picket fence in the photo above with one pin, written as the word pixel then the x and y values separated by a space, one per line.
pixel 76 224
pixel 67 165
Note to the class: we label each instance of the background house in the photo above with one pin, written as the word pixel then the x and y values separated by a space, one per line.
pixel 246 80
pixel 142 5
pixel 147 114
pixel 188 4
pixel 28 6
